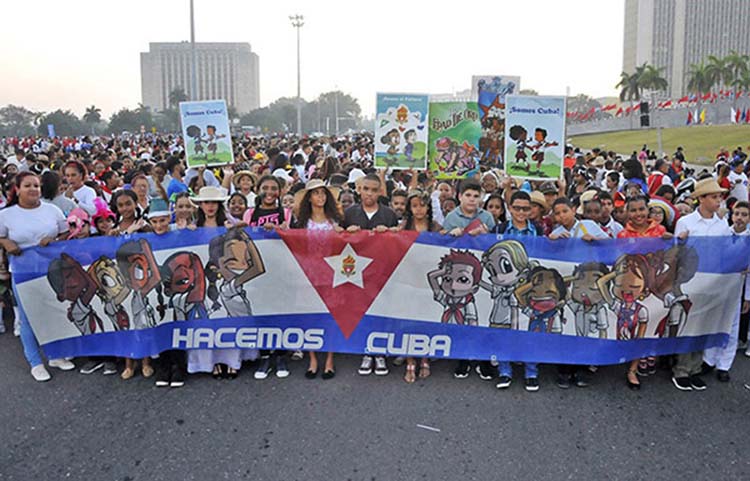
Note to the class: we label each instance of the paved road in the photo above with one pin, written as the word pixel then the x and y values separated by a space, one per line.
pixel 101 428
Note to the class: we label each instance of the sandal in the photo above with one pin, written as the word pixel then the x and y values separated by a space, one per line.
pixel 218 372
pixel 127 373
pixel 410 375
pixel 232 373
pixel 146 369
pixel 424 368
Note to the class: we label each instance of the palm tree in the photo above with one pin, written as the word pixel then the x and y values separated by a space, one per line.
pixel 630 88
pixel 700 80
pixel 718 71
pixel 176 96
pixel 738 65
pixel 92 116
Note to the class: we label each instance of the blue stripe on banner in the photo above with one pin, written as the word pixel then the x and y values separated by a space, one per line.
pixel 379 336
pixel 727 254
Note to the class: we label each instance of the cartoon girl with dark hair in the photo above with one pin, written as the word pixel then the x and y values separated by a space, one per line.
pixel 519 135
pixel 195 134
pixel 211 137
pixel 409 138
pixel 71 283
pixel 185 283
pixel 542 298
pixel 630 281
pixel 676 267
pixel 112 290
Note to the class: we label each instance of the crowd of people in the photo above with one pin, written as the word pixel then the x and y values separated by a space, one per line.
pixel 58 189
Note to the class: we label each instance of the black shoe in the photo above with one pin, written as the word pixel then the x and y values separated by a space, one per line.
pixel 311 374
pixel 579 380
pixel 462 370
pixel 563 381
pixel 162 377
pixel 697 383
pixel 178 377
pixel 503 382
pixel 633 386
pixel 328 374
pixel 722 376
pixel 682 383
pixel 486 371
pixel 532 384
pixel 706 368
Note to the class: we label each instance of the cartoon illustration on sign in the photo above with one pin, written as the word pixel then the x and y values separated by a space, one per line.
pixel 71 283
pixel 454 284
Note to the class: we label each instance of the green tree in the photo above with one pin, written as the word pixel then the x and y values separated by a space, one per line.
pixel 719 71
pixel 17 120
pixel 700 80
pixel 92 116
pixel 630 88
pixel 176 96
pixel 131 120
pixel 738 66
pixel 66 123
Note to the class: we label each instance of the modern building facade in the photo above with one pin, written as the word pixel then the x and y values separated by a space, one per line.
pixel 673 34
pixel 226 71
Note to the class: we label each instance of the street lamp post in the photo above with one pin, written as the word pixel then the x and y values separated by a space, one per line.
pixel 297 22
pixel 193 75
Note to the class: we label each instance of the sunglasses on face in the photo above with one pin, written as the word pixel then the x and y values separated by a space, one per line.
pixel 521 208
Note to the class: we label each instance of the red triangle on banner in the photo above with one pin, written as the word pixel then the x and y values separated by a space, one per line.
pixel 348 271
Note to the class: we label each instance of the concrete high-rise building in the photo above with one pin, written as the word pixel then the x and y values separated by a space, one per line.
pixel 673 34
pixel 226 71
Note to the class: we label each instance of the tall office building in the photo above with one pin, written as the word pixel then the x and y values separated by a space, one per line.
pixel 224 71
pixel 673 34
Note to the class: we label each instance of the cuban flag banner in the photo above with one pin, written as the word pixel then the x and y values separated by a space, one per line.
pixel 484 297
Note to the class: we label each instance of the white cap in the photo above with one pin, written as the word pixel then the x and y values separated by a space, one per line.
pixel 282 174
pixel 355 175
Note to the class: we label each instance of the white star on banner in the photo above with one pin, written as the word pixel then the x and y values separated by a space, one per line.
pixel 348 267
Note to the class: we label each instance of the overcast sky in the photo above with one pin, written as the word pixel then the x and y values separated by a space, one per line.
pixel 74 53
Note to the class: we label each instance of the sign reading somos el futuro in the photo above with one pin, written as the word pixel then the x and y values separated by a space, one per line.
pixel 485 297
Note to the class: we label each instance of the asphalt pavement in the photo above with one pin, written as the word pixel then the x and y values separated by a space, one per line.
pixel 78 427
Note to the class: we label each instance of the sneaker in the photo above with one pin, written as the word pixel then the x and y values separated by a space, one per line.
pixel 462 370
pixel 40 374
pixel 579 380
pixel 399 361
pixel 742 345
pixel 682 383
pixel 381 367
pixel 485 371
pixel 503 382
pixel 263 369
pixel 697 383
pixel 747 352
pixel 722 376
pixel 532 384
pixel 91 367
pixel 563 381
pixel 62 364
pixel 162 377
pixel 17 327
pixel 109 368
pixel 298 355
pixel 178 377
pixel 365 369
pixel 706 368
pixel 281 370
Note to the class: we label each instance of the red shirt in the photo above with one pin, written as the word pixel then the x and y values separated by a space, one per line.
pixel 653 230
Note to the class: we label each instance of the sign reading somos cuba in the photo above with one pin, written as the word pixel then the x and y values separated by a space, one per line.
pixel 488 297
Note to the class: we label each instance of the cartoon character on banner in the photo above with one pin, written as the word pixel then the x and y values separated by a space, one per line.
pixel 185 283
pixel 540 147
pixel 496 85
pixel 454 284
pixel 112 290
pixel 507 264
pixel 629 283
pixel 71 283
pixel 491 144
pixel 235 260
pixel 519 135
pixel 195 134
pixel 409 138
pixel 542 298
pixel 676 266
pixel 454 158
pixel 392 139
pixel 136 261
pixel 586 301
pixel 402 114
pixel 211 138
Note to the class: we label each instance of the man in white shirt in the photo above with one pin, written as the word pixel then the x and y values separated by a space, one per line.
pixel 738 181
pixel 703 222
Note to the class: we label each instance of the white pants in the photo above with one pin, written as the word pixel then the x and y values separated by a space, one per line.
pixel 723 357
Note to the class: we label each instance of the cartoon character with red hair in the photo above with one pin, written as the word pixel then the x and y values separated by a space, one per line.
pixel 454 284
pixel 184 282
pixel 71 283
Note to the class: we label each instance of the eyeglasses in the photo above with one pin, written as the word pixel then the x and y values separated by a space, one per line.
pixel 521 208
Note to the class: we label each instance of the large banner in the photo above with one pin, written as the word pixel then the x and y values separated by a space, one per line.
pixel 485 297
pixel 205 130
pixel 490 92
pixel 535 133
pixel 454 139
pixel 401 131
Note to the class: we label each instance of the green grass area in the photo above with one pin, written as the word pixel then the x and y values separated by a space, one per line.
pixel 222 156
pixel 400 161
pixel 701 142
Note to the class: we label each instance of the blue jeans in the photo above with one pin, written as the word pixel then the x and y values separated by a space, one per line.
pixel 30 344
pixel 531 369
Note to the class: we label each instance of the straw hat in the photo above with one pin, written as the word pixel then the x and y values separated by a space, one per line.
pixel 312 185
pixel 244 173
pixel 211 194
pixel 585 197
pixel 538 198
pixel 598 161
pixel 707 187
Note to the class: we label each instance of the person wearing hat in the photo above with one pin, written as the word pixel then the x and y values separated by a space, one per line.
pixel 243 182
pixel 539 211
pixel 703 222
pixel 210 202
pixel 580 182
